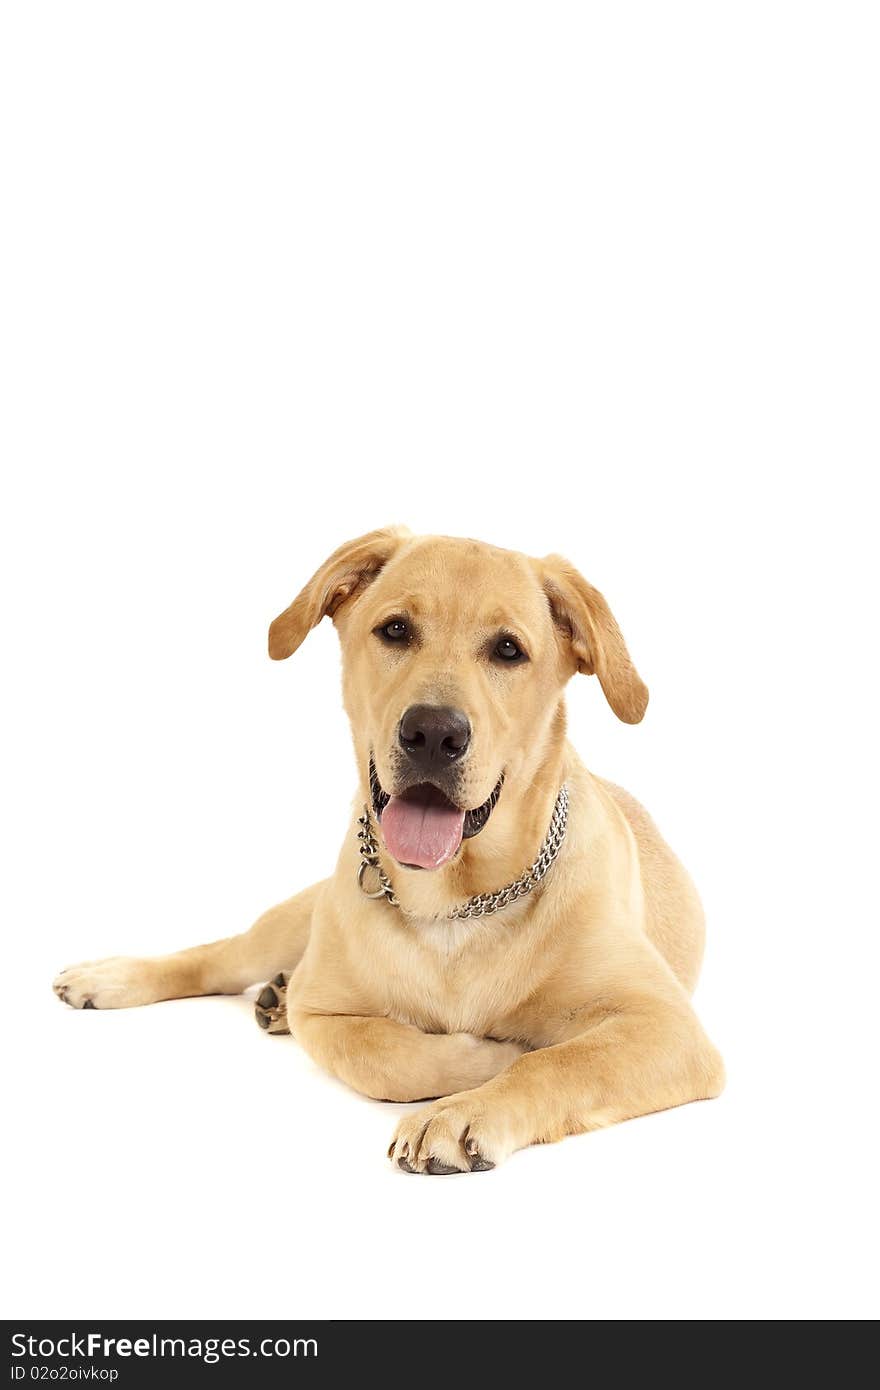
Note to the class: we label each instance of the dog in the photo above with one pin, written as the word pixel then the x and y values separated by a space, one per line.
pixel 506 936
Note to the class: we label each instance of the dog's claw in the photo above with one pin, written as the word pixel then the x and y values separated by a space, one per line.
pixel 479 1164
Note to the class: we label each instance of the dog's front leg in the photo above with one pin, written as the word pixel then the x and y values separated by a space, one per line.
pixel 394 1061
pixel 276 941
pixel 632 1057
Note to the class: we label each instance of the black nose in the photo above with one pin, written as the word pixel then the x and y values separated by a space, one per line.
pixel 434 735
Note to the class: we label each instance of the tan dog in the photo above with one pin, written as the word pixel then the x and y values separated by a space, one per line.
pixel 551 1008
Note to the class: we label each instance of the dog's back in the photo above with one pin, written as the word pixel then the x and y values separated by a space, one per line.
pixel 674 918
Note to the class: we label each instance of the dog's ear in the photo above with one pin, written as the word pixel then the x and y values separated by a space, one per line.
pixel 596 642
pixel 348 570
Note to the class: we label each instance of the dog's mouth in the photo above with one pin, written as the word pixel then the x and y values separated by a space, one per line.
pixel 421 827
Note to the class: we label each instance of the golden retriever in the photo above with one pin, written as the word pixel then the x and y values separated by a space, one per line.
pixel 505 935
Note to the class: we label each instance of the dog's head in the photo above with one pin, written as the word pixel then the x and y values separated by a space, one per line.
pixel 455 655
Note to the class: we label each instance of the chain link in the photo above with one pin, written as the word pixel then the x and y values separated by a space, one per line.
pixel 370 860
pixel 482 904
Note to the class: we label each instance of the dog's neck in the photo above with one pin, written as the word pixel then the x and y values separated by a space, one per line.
pixel 509 843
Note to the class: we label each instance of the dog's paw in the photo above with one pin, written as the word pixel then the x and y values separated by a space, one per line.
pixel 458 1134
pixel 120 982
pixel 270 1009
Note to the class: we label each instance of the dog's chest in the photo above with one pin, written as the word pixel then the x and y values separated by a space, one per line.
pixel 456 976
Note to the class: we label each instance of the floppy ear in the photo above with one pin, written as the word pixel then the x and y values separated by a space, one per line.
pixel 348 570
pixel 597 645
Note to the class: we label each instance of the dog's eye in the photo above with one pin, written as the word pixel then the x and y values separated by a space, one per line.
pixel 507 650
pixel 395 631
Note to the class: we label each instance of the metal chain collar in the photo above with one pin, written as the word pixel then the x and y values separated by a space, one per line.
pixel 481 904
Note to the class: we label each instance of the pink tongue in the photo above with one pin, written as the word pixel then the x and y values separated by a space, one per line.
pixel 423 829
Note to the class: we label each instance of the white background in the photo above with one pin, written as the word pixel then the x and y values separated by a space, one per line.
pixel 600 279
